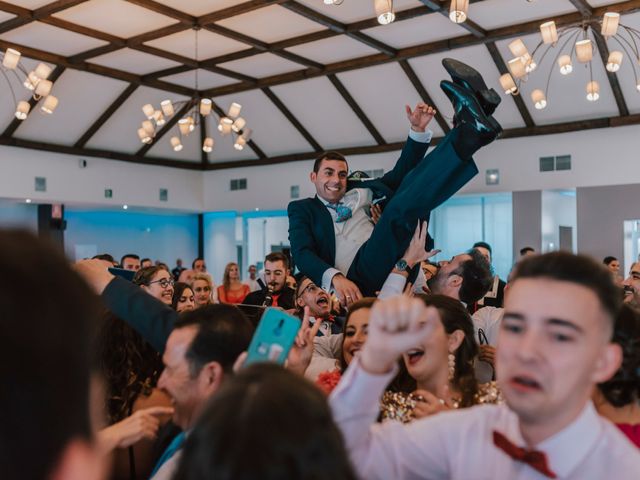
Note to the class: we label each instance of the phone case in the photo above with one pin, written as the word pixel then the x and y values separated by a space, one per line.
pixel 274 337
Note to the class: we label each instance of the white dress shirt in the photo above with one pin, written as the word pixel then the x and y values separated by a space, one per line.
pixel 488 319
pixel 352 233
pixel 458 444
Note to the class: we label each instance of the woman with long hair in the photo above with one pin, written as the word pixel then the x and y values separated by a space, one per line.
pixel 232 289
pixel 130 368
pixel 442 367
pixel 183 298
pixel 618 399
pixel 203 289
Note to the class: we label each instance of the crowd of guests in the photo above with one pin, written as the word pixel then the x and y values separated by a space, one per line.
pixel 154 388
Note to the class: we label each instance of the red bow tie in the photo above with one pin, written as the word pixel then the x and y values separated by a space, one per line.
pixel 533 458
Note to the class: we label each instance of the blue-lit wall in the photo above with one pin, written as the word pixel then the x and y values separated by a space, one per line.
pixel 159 237
pixel 18 215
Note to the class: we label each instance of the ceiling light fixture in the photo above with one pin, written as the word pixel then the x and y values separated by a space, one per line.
pixel 35 81
pixel 569 44
pixel 200 108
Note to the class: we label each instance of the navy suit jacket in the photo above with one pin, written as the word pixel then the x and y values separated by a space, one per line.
pixel 311 233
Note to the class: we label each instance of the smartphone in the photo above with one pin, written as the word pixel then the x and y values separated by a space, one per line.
pixel 379 200
pixel 274 337
pixel 121 272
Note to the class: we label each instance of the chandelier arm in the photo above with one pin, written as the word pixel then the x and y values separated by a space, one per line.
pixel 633 47
pixel 633 64
pixel 590 72
pixel 567 40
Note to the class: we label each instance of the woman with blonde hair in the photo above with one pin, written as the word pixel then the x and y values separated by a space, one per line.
pixel 232 289
pixel 203 289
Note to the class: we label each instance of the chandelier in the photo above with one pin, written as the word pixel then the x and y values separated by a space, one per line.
pixel 35 81
pixel 571 45
pixel 197 109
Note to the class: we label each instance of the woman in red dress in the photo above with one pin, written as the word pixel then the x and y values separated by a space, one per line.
pixel 232 289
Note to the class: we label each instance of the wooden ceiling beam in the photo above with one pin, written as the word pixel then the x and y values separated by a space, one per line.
pixel 15 123
pixel 167 11
pixel 356 109
pixel 469 25
pixel 517 99
pixel 583 7
pixel 96 153
pixel 426 98
pixel 235 10
pixel 256 149
pixel 25 16
pixel 106 115
pixel 292 119
pixel 390 147
pixel 603 50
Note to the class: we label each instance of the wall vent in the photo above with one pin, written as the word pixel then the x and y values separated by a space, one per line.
pixel 238 184
pixel 559 162
pixel 41 184
pixel 164 195
pixel 295 191
pixel 108 193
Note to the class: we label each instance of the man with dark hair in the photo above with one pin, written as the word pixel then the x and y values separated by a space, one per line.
pixel 332 238
pixel 199 355
pixel 130 261
pixel 177 270
pixel 466 277
pixel 555 345
pixel 631 286
pixel 276 292
pixel 46 360
pixel 146 262
pixel 526 251
pixel 495 295
pixel 198 265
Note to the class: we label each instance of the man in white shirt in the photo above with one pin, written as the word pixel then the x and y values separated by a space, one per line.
pixel 554 347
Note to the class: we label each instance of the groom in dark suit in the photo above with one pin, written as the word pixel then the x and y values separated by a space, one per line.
pixel 333 240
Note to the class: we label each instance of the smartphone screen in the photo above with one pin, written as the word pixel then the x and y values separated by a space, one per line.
pixel 274 337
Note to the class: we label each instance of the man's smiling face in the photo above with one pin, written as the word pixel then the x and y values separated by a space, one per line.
pixel 331 180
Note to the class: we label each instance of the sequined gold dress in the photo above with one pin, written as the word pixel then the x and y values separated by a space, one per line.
pixel 399 406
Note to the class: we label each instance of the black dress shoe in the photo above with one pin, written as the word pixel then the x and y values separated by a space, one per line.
pixel 469 77
pixel 468 111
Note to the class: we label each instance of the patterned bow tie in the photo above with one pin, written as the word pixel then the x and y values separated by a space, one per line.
pixel 343 212
pixel 533 458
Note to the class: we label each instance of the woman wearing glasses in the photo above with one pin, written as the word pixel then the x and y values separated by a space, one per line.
pixel 157 282
pixel 203 289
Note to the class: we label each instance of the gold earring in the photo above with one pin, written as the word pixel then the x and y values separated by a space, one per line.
pixel 452 366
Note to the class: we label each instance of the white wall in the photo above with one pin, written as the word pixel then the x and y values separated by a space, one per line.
pixel 263 232
pixel 219 242
pixel 135 185
pixel 558 210
pixel 159 237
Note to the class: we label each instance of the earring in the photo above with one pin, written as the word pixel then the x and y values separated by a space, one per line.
pixel 452 366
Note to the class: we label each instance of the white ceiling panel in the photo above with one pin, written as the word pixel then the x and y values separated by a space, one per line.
pixel 223 150
pixel 263 65
pixel 430 72
pixel 117 17
pixel 567 95
pixel 51 39
pixel 206 79
pixel 120 131
pixel 416 31
pixel 209 44
pixel 490 14
pixel 133 61
pixel 602 3
pixel 7 105
pixel 271 130
pixel 333 49
pixel 354 11
pixel 4 16
pixel 200 7
pixel 271 24
pixel 191 147
pixel 324 113
pixel 30 4
pixel 382 104
pixel 79 107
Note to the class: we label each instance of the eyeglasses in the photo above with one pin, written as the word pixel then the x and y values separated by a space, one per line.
pixel 312 287
pixel 163 282
pixel 202 289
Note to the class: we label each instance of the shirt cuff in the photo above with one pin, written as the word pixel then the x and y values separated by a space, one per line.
pixel 422 137
pixel 327 277
pixel 393 285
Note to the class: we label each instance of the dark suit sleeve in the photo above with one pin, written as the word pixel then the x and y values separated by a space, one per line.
pixel 303 243
pixel 411 154
pixel 146 314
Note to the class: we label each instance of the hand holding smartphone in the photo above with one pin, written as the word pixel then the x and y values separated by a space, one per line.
pixel 273 338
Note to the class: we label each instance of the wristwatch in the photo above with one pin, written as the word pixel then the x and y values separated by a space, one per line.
pixel 402 265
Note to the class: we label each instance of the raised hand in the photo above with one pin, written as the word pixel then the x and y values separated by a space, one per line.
pixel 420 117
pixel 395 326
pixel 300 354
pixel 141 424
pixel 416 251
